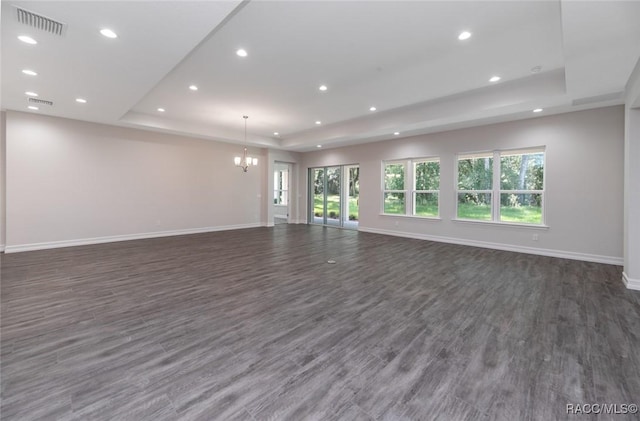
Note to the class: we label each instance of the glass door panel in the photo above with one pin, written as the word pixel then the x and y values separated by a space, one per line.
pixel 333 202
pixel 318 205
pixel 352 186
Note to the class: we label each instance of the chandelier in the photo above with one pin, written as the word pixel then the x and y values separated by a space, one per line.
pixel 245 161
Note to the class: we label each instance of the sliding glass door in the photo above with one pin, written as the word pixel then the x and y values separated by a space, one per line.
pixel 330 200
pixel 317 188
pixel 352 193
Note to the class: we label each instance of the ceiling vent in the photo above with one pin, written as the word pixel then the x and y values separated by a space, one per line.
pixel 40 101
pixel 40 22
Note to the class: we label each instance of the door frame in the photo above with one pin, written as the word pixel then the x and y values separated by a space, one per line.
pixel 289 166
pixel 344 195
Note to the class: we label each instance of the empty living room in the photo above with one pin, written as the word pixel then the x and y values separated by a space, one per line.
pixel 320 210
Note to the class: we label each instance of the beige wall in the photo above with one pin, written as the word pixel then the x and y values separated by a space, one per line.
pixel 584 183
pixel 70 182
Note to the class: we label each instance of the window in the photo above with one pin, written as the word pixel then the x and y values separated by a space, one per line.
pixel 394 188
pixel 426 185
pixel 521 186
pixel 475 186
pixel 280 187
pixel 421 184
pixel 502 186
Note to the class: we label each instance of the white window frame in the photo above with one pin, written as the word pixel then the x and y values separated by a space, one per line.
pixel 409 168
pixel 385 191
pixel 526 151
pixel 414 191
pixel 283 182
pixel 496 190
pixel 476 155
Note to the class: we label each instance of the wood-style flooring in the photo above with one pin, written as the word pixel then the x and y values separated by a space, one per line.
pixel 255 325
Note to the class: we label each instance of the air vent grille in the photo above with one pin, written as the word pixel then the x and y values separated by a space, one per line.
pixel 40 101
pixel 40 22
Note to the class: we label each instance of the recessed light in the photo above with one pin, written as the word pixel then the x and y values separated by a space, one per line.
pixel 108 33
pixel 241 52
pixel 29 93
pixel 318 146
pixel 276 134
pixel 396 133
pixel 323 87
pixel 372 108
pixel 161 110
pixel 494 79
pixel 193 87
pixel 27 39
pixel 81 100
pixel 32 107
pixel 464 35
pixel 318 122
pixel 29 72
pixel 537 110
pixel 536 69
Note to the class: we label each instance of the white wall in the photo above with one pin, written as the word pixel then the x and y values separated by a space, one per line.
pixel 71 182
pixel 584 183
pixel 632 181
pixel 3 166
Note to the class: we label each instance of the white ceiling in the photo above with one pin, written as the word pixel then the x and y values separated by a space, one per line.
pixel 402 57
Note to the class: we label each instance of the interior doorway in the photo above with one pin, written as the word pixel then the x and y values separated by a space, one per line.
pixel 334 196
pixel 281 189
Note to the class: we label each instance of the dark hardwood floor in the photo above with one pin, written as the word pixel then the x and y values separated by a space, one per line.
pixel 255 325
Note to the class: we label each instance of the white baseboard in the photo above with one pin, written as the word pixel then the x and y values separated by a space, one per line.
pixel 126 237
pixel 1 248
pixel 611 260
pixel 631 283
